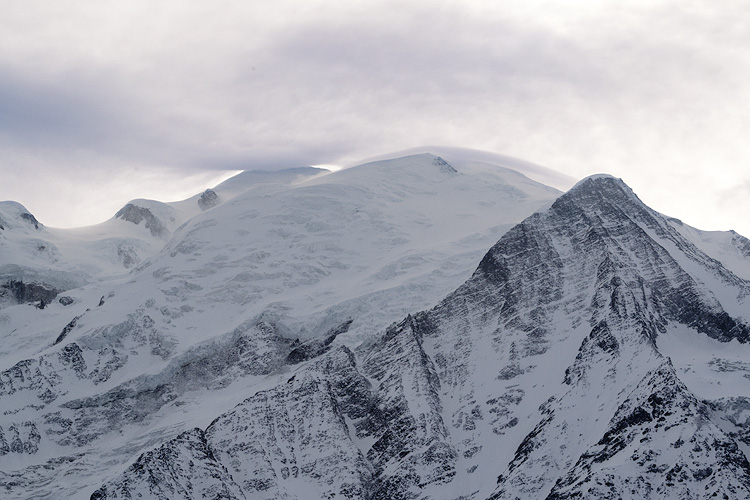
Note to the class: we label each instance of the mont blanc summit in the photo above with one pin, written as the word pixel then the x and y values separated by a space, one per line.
pixel 411 328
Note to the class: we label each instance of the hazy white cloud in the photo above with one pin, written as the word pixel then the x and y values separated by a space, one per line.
pixel 654 92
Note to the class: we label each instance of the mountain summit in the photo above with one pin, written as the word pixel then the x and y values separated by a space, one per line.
pixel 273 349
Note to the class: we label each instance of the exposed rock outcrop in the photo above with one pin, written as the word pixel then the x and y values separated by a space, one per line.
pixel 136 215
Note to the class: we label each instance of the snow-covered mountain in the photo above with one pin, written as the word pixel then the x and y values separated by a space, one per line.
pixel 272 347
pixel 237 294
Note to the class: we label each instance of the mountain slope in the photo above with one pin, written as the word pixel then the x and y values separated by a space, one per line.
pixel 545 375
pixel 261 283
pixel 63 259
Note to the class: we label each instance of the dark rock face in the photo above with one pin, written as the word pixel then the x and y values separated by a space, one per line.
pixel 31 220
pixel 45 380
pixel 184 468
pixel 444 166
pixel 598 256
pixel 128 255
pixel 266 443
pixel 742 243
pixel 66 330
pixel 208 199
pixel 660 410
pixel 252 349
pixel 20 438
pixel 316 347
pixel 605 237
pixel 136 215
pixel 415 446
pixel 30 292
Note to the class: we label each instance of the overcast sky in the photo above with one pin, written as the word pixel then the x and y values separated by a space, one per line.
pixel 101 102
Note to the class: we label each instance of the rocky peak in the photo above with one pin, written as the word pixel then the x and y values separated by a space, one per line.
pixel 15 215
pixel 208 199
pixel 30 219
pixel 603 196
pixel 135 214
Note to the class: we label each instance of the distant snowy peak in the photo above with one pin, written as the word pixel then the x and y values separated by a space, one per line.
pixel 463 158
pixel 425 167
pixel 139 214
pixel 14 216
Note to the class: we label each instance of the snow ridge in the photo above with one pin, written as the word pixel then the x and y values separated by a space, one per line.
pixel 580 359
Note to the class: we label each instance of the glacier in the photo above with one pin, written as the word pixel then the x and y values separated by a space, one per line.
pixel 307 334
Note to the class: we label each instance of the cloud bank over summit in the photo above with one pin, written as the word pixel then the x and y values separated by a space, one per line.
pixel 654 92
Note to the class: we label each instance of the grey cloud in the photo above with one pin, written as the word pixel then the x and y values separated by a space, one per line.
pixel 603 86
pixel 329 88
pixel 73 112
pixel 59 113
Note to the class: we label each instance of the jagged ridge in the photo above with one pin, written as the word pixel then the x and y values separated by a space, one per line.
pixel 598 270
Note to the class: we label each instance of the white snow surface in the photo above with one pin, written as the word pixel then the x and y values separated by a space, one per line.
pixel 284 258
pixel 307 249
